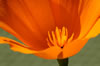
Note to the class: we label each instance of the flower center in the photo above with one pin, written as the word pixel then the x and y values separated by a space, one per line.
pixel 58 37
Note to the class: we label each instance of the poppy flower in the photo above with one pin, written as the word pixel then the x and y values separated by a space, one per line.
pixel 50 29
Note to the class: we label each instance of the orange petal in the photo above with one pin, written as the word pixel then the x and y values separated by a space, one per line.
pixel 31 23
pixel 73 47
pixel 49 53
pixel 95 30
pixel 89 16
pixel 15 46
pixel 41 12
pixel 65 13
pixel 22 34
pixel 36 14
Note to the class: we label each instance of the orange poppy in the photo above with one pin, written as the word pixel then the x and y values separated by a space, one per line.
pixel 50 29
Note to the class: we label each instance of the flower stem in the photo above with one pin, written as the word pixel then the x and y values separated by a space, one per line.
pixel 63 62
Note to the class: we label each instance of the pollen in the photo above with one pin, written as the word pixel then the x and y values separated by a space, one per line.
pixel 58 37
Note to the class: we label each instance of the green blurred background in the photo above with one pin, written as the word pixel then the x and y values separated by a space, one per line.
pixel 89 55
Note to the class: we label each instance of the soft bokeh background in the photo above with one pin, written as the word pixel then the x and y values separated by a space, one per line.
pixel 89 55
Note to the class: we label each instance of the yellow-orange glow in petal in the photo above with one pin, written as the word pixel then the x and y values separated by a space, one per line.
pixel 50 53
pixel 94 31
pixel 73 48
pixel 89 16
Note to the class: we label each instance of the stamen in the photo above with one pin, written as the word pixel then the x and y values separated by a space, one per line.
pixel 59 37
pixel 71 38
pixel 54 38
pixel 63 36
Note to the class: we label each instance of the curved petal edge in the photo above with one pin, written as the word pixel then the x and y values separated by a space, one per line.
pixel 49 53
pixel 74 47
pixel 95 30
